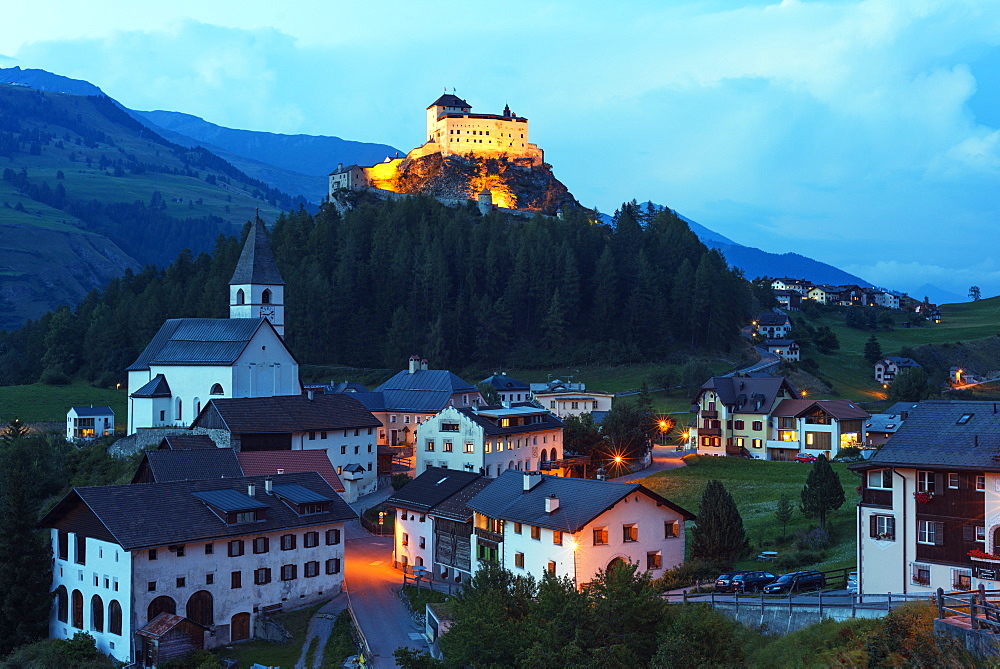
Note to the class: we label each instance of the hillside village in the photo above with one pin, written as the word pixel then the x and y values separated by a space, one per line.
pixel 253 490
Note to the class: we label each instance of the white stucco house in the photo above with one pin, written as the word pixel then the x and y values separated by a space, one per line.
pixel 219 552
pixel 192 360
pixel 531 523
pixel 89 422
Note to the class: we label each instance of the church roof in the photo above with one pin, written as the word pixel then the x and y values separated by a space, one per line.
pixel 198 341
pixel 157 387
pixel 449 100
pixel 256 264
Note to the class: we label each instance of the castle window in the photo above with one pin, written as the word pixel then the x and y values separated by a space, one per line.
pixel 265 297
pixel 240 296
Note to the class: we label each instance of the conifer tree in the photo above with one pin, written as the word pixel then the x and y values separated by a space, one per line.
pixel 873 350
pixel 822 492
pixel 719 535
pixel 783 513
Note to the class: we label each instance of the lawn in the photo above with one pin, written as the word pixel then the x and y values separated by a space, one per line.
pixel 756 486
pixel 41 403
pixel 274 654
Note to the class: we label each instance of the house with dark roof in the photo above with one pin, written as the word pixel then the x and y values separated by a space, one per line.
pixel 433 525
pixel 532 523
pixel 825 294
pixel 192 360
pixel 508 388
pixel 89 422
pixel 732 414
pixel 786 349
pixel 789 299
pixel 566 403
pixel 800 286
pixel 185 442
pixel 772 325
pixel 337 424
pixel 414 395
pixel 815 427
pixel 219 552
pixel 491 439
pixel 888 367
pixel 929 515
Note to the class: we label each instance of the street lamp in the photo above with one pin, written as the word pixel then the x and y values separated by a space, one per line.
pixel 573 546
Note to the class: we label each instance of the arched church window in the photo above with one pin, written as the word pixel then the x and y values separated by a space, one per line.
pixel 240 296
pixel 217 389
pixel 265 297
pixel 179 414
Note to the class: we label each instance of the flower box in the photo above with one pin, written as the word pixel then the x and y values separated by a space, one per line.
pixel 977 555
pixel 922 497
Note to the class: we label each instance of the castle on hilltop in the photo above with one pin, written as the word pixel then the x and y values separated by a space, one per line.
pixel 453 130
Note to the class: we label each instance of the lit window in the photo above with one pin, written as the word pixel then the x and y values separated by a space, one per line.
pixel 630 533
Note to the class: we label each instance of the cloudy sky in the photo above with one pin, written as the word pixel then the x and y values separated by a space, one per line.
pixel 862 133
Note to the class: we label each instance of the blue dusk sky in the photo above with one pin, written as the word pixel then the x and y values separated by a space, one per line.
pixel 865 134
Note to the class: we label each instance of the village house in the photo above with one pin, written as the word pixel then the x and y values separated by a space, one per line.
pixel 815 427
pixel 824 294
pixel 219 552
pixel 852 296
pixel 433 525
pixel 929 515
pixel 337 424
pixel 575 403
pixel 491 439
pixel 89 422
pixel 800 286
pixel 531 523
pixel 789 299
pixel 771 325
pixel 888 367
pixel 786 349
pixel 192 360
pixel 732 414
pixel 508 389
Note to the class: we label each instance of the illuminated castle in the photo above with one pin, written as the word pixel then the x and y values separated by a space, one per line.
pixel 452 129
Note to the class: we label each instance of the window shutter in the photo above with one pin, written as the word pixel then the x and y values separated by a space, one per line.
pixel 963 481
pixel 939 482
pixel 938 534
pixel 873 526
pixel 968 533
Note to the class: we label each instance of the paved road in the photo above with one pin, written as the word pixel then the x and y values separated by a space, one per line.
pixel 372 586
pixel 664 457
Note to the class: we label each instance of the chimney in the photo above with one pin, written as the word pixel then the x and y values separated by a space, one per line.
pixel 414 364
pixel 267 484
pixel 311 394
pixel 423 364
pixel 531 479
pixel 340 166
pixel 600 473
pixel 551 504
pixel 903 415
pixel 251 489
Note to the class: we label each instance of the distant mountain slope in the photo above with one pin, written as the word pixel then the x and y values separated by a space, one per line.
pixel 937 295
pixel 42 80
pixel 754 262
pixel 301 155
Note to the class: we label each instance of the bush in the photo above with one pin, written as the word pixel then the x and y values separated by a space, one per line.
pixel 685 575
pixel 54 377
pixel 399 480
pixel 814 540
pixel 80 652
pixel 796 559
pixel 848 453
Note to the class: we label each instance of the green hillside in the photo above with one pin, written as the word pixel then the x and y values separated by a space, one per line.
pixel 87 191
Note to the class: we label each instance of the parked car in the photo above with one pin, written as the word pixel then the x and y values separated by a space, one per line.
pixel 767 556
pixel 804 457
pixel 724 583
pixel 852 582
pixel 752 581
pixel 796 581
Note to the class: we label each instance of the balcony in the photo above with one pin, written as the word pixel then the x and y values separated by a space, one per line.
pixel 489 535
pixel 710 431
pixel 709 414
pixel 876 497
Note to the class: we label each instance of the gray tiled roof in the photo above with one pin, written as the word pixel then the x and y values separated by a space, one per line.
pixel 931 436
pixel 549 421
pixel 431 488
pixel 580 500
pixel 290 413
pixel 192 464
pixel 504 382
pixel 772 319
pixel 146 515
pixel 93 411
pixel 256 264
pixel 423 391
pixel 883 422
pixel 900 407
pixel 839 409
pixel 198 341
pixel 449 100
pixel 180 442
pixel 155 387
pixel 748 394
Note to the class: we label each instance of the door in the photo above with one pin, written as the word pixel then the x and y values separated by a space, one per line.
pixel 199 608
pixel 239 628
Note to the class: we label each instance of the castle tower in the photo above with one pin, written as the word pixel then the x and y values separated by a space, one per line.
pixel 446 104
pixel 257 289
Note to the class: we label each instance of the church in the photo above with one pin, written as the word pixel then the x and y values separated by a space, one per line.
pixel 193 360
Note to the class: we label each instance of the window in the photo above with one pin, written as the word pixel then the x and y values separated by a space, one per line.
pixel 449 427
pixel 392 419
pixel 115 617
pixel 670 529
pixel 332 537
pixel 980 534
pixel 312 436
pixel 151 586
pixel 216 389
pixel 883 527
pixel 356 451
pixel 961 579
pixel 430 445
pixel 964 419
pixel 517 528
pixel 209 549
pixel 536 532
pixel 163 415
pixel 630 532
pixel 930 532
pixel 519 560
pixel 262 576
pixel 447 447
pixel 63 546
pixel 406 419
pixel 236 580
pixel 551 567
pixel 921 574
pixel 654 560
pixel 288 572
pixel 261 545
pixel 181 581
pixel 333 566
pixel 209 579
pixel 287 542
pixel 152 553
pixel 881 478
pixel 310 539
pixel 81 549
pixel 739 424
pixel 311 569
pixel 557 537
pixel 757 443
pixel 423 542
pixel 322 434
pixel 246 517
pixel 405 541
pixel 981 482
pixel 600 536
pixel 470 447
pixel 758 425
pixel 972 533
pixel 235 548
pixel 952 479
pixel 925 482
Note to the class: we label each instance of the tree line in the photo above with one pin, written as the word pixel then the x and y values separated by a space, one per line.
pixel 385 280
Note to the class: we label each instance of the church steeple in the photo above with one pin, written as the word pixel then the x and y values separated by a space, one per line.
pixel 257 289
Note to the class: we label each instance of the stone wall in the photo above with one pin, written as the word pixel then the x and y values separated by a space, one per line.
pixel 149 437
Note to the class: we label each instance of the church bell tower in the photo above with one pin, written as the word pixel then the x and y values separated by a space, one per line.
pixel 257 289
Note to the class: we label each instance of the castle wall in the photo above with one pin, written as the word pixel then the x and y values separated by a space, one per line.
pixel 489 135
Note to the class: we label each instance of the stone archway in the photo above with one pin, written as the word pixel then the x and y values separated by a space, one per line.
pixel 616 563
pixel 199 608
pixel 161 604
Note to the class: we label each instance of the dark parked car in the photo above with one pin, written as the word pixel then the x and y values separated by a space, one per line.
pixel 752 581
pixel 797 581
pixel 724 583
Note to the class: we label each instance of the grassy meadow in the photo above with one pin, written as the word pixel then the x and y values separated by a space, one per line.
pixel 40 403
pixel 756 486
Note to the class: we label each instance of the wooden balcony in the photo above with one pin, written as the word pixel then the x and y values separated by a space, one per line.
pixel 709 414
pixel 489 535
pixel 710 431
pixel 876 497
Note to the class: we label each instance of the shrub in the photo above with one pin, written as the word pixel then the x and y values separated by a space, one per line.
pixel 54 377
pixel 814 540
pixel 399 480
pixel 797 559
pixel 848 453
pixel 685 575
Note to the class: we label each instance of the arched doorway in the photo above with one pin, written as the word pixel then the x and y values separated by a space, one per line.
pixel 617 563
pixel 996 539
pixel 160 605
pixel 239 627
pixel 77 621
pixel 96 614
pixel 62 604
pixel 115 617
pixel 199 608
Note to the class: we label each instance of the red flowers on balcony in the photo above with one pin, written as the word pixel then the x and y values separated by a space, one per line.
pixel 922 497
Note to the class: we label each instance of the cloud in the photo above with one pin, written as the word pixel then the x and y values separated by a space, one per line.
pixel 910 276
